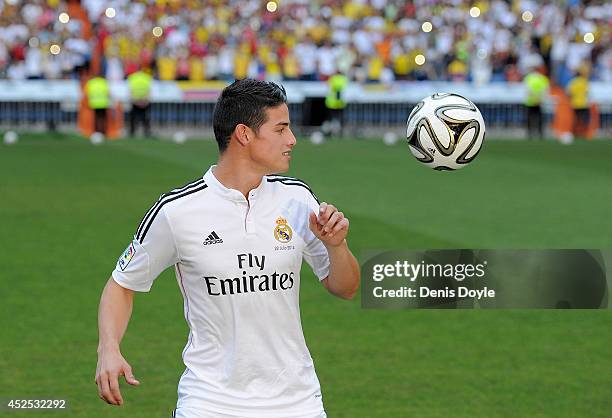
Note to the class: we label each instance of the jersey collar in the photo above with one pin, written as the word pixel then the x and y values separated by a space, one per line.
pixel 230 194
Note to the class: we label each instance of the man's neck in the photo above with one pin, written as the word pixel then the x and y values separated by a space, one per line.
pixel 238 174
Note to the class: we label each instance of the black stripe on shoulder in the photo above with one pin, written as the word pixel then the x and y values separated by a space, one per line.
pixel 280 176
pixel 170 197
pixel 147 215
pixel 290 181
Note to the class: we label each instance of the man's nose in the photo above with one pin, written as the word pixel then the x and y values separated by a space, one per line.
pixel 292 139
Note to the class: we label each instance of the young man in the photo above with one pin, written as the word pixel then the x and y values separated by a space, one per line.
pixel 236 238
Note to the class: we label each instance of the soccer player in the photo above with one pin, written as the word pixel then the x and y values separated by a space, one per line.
pixel 236 238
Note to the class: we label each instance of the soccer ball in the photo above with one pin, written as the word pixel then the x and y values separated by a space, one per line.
pixel 179 137
pixel 390 138
pixel 317 138
pixel 11 137
pixel 566 138
pixel 445 131
pixel 97 138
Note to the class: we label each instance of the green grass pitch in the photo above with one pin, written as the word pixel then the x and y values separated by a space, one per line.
pixel 68 209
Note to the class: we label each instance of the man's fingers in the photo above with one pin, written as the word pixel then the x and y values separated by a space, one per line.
pixel 99 384
pixel 322 207
pixel 129 376
pixel 312 219
pixel 328 222
pixel 314 224
pixel 110 368
pixel 341 225
pixel 105 389
pixel 114 388
pixel 333 220
pixel 325 212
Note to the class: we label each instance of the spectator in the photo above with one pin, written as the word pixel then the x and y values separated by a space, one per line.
pixel 376 39
pixel 578 91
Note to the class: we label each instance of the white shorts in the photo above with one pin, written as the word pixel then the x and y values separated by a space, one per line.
pixel 193 413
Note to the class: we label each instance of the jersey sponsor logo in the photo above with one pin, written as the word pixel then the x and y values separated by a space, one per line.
pixel 263 281
pixel 249 283
pixel 126 257
pixel 282 230
pixel 212 238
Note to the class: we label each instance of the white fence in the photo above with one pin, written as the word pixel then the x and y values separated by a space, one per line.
pixel 68 91
pixel 190 105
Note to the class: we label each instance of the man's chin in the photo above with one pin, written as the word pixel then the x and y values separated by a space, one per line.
pixel 278 167
pixel 281 169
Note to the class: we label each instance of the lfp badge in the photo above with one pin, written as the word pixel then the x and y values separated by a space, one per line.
pixel 126 257
pixel 282 231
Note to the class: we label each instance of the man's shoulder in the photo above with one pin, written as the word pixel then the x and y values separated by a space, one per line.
pixel 176 197
pixel 182 195
pixel 290 185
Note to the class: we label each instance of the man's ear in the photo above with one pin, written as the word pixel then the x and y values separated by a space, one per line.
pixel 243 134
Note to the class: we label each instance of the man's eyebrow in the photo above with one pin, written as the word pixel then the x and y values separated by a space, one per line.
pixel 282 124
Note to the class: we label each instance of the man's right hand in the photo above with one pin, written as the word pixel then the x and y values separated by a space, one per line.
pixel 111 365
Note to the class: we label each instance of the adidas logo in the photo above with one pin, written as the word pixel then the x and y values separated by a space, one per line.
pixel 213 238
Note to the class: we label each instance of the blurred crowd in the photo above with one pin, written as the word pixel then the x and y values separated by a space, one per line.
pixel 368 40
pixel 35 44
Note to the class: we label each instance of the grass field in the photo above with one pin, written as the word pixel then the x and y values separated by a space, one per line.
pixel 68 209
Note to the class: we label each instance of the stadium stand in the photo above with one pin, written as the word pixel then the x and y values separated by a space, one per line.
pixel 374 42
pixel 35 44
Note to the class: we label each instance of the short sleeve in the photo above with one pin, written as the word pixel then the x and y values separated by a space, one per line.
pixel 315 252
pixel 151 252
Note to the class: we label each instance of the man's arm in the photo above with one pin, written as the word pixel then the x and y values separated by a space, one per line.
pixel 331 227
pixel 343 279
pixel 113 317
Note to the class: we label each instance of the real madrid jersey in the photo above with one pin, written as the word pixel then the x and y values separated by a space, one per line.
pixel 237 263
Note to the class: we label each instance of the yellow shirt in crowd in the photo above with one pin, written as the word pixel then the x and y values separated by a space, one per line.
pixel 578 90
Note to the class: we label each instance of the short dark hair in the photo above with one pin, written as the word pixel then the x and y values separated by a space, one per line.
pixel 244 101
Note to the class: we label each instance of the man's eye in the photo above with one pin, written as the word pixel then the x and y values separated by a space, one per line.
pixel 281 131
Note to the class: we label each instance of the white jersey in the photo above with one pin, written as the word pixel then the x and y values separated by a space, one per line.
pixel 237 264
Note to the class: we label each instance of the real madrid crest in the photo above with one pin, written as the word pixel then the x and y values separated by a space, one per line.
pixel 282 230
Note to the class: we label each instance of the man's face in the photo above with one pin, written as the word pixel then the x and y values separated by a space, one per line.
pixel 272 145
